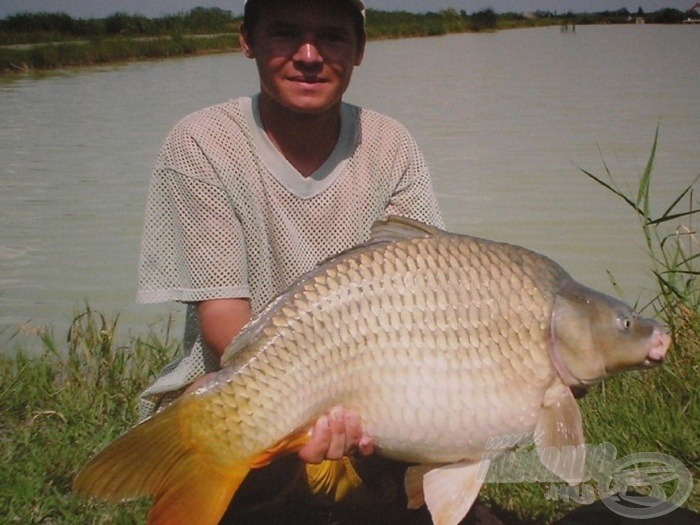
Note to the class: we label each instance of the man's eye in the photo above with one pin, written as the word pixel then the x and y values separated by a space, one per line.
pixel 333 36
pixel 282 34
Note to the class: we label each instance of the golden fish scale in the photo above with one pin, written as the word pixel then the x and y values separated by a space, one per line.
pixel 440 343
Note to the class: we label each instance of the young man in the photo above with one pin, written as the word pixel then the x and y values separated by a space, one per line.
pixel 248 195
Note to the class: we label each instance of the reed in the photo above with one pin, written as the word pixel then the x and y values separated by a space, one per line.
pixel 666 401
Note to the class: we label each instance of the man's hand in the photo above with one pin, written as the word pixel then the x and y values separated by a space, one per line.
pixel 336 435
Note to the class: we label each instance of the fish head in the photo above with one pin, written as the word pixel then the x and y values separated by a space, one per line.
pixel 594 336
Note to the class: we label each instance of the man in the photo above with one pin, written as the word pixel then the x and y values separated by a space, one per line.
pixel 248 195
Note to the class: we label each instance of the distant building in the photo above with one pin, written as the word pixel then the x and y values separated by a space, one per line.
pixel 693 17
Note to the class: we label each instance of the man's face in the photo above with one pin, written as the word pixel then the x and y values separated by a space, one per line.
pixel 305 51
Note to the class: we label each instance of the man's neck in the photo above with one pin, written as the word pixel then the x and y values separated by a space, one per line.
pixel 305 140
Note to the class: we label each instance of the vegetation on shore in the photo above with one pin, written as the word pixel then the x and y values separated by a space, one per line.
pixel 56 410
pixel 59 409
pixel 31 42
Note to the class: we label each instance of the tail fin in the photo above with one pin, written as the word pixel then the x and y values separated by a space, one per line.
pixel 195 495
pixel 158 458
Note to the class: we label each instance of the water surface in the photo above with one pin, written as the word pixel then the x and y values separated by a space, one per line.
pixel 505 120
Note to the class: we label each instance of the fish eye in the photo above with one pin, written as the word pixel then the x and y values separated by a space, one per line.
pixel 624 323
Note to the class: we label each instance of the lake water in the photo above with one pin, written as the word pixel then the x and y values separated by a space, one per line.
pixel 506 121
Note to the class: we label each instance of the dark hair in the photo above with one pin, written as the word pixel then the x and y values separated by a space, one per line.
pixel 251 16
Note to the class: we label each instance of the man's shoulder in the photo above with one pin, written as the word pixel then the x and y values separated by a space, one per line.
pixel 223 116
pixel 373 122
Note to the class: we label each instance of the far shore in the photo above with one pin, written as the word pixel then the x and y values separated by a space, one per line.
pixel 36 43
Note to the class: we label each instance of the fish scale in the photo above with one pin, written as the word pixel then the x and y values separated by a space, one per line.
pixel 442 324
pixel 440 342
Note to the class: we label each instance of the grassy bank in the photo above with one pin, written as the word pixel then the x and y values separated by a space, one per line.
pixel 64 55
pixel 35 43
pixel 57 410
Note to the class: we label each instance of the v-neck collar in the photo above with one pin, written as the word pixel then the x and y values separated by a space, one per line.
pixel 283 171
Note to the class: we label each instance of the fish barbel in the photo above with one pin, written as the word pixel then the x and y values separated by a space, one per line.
pixel 439 341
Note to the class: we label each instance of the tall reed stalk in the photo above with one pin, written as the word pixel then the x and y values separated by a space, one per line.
pixel 673 253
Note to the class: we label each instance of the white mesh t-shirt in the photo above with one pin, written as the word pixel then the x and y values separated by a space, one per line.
pixel 228 216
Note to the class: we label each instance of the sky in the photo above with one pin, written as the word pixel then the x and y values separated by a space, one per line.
pixel 155 8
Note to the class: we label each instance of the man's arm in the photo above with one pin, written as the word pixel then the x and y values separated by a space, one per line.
pixel 334 435
pixel 220 320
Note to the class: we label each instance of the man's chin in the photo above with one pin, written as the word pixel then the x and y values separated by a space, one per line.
pixel 313 107
pixel 310 104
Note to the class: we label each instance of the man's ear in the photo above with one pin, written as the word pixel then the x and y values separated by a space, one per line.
pixel 246 44
pixel 360 50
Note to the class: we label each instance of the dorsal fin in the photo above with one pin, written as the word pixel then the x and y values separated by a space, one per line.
pixel 395 228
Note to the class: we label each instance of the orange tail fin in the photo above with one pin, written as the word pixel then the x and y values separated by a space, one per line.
pixel 195 495
pixel 161 459
pixel 157 458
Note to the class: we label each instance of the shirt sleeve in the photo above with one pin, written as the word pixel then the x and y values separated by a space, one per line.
pixel 192 246
pixel 414 196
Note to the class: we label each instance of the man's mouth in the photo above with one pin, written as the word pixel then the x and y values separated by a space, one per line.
pixel 308 80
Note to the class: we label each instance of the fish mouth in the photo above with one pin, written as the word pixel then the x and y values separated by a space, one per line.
pixel 659 349
pixel 650 361
pixel 653 361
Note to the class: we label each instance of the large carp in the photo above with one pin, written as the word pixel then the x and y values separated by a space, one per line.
pixel 441 342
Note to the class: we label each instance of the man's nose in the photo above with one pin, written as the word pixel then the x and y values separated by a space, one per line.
pixel 308 53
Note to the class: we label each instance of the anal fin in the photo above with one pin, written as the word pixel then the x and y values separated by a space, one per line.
pixel 333 479
pixel 450 491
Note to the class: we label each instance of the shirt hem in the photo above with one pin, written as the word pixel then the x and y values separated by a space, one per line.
pixel 191 296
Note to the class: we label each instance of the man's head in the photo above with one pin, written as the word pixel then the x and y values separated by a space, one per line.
pixel 251 14
pixel 305 50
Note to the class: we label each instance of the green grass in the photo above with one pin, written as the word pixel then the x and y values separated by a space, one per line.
pixel 59 409
pixel 111 50
pixel 164 41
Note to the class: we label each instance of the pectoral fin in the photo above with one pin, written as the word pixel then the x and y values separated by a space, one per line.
pixel 450 490
pixel 560 443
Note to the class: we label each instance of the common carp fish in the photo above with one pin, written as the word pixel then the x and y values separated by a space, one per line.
pixel 439 341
